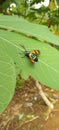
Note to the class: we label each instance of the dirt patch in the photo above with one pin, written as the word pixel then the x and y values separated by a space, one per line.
pixel 27 110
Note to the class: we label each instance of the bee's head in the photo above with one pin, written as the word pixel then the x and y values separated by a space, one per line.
pixel 36 59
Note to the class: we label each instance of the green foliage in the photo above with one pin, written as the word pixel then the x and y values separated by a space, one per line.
pixel 46 70
pixel 20 82
pixel 21 7
pixel 35 1
pixel 41 32
pixel 6 4
pixel 57 2
pixel 7 77
pixel 44 15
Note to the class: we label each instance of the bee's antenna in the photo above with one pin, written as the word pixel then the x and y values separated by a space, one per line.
pixel 22 51
pixel 22 46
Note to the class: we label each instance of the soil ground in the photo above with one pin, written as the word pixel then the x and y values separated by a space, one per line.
pixel 27 110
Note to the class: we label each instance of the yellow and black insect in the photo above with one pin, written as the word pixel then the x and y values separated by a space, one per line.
pixel 32 55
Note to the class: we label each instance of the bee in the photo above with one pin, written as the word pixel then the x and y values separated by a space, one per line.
pixel 32 55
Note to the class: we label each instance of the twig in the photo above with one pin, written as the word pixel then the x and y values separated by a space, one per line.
pixel 47 102
pixel 26 122
pixel 7 127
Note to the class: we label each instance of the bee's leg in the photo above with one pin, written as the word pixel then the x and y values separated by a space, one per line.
pixel 21 53
pixel 32 61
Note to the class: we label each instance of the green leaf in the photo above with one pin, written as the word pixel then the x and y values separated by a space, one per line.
pixel 21 25
pixel 46 70
pixel 21 116
pixel 7 78
pixel 30 116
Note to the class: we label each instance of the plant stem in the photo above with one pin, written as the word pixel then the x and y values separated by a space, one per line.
pixel 47 102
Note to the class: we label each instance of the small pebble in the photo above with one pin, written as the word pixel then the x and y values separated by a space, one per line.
pixel 29 104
